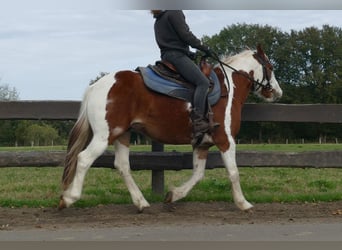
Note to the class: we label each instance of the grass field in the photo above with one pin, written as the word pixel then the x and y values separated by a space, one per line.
pixel 40 187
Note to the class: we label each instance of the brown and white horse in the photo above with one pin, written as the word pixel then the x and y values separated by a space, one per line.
pixel 119 102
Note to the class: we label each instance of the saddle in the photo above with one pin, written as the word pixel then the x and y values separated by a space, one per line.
pixel 163 78
pixel 166 70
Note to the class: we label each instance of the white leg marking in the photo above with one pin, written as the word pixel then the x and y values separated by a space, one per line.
pixel 84 161
pixel 228 157
pixel 122 164
pixel 197 175
pixel 229 161
pixel 117 131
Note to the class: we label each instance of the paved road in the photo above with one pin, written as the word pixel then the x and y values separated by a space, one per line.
pixel 254 232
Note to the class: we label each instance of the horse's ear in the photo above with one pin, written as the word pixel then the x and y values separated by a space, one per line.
pixel 260 50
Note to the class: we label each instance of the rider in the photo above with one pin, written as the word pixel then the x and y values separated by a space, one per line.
pixel 174 37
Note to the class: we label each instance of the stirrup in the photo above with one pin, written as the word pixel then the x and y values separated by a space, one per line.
pixel 196 140
pixel 203 140
pixel 212 125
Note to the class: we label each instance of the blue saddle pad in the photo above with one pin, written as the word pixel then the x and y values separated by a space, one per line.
pixel 167 87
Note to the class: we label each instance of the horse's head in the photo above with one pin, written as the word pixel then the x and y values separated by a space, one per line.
pixel 265 85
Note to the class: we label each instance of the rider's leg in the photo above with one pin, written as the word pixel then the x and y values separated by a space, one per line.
pixel 191 72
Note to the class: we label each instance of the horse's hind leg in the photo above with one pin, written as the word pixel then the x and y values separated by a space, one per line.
pixel 122 164
pixel 229 161
pixel 199 161
pixel 84 160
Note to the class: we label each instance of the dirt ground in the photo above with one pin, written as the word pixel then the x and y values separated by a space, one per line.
pixel 184 213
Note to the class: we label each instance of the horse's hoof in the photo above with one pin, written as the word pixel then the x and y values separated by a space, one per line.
pixel 168 197
pixel 249 210
pixel 62 204
pixel 170 207
pixel 140 210
pixel 168 204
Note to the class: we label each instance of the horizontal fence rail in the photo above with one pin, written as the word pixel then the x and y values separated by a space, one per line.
pixel 39 110
pixel 160 161
pixel 68 110
pixel 181 160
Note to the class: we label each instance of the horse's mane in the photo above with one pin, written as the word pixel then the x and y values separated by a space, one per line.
pixel 231 58
pixel 101 74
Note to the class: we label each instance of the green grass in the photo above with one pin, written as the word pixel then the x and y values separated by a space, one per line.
pixel 40 187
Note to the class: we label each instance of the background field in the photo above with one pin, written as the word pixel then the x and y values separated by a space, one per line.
pixel 40 187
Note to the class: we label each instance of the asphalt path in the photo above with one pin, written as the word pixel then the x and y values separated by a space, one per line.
pixel 227 232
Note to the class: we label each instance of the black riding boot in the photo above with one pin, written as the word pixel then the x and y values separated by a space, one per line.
pixel 200 126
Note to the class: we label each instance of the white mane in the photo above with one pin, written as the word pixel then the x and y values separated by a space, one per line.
pixel 232 59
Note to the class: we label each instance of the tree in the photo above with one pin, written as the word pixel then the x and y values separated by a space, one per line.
pixel 34 134
pixel 8 93
pixel 7 128
pixel 29 132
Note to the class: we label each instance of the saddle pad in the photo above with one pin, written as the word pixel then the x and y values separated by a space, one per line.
pixel 167 87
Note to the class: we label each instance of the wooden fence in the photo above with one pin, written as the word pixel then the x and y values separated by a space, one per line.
pixel 158 161
pixel 68 110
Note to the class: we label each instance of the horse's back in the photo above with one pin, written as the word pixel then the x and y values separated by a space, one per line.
pixel 126 75
pixel 102 85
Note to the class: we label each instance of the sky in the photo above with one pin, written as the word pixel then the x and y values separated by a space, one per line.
pixel 50 50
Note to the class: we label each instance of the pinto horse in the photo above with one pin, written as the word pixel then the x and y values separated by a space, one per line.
pixel 118 103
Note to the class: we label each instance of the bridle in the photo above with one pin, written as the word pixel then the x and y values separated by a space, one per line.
pixel 266 76
pixel 256 83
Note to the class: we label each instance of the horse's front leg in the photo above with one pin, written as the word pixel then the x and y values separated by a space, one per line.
pixel 199 160
pixel 122 164
pixel 229 160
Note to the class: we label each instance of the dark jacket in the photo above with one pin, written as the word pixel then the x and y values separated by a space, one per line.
pixel 173 33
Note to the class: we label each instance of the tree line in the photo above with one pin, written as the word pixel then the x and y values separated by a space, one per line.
pixel 30 133
pixel 307 64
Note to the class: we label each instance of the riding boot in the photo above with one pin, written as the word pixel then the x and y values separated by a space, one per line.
pixel 200 126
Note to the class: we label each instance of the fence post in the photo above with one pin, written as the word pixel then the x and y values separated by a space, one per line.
pixel 158 175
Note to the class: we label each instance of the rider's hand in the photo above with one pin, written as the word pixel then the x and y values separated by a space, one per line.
pixel 209 52
pixel 192 55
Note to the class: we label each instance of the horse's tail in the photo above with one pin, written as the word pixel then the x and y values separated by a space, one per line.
pixel 79 138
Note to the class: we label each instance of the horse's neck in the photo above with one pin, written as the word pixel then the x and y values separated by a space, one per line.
pixel 242 84
pixel 240 94
pixel 242 88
